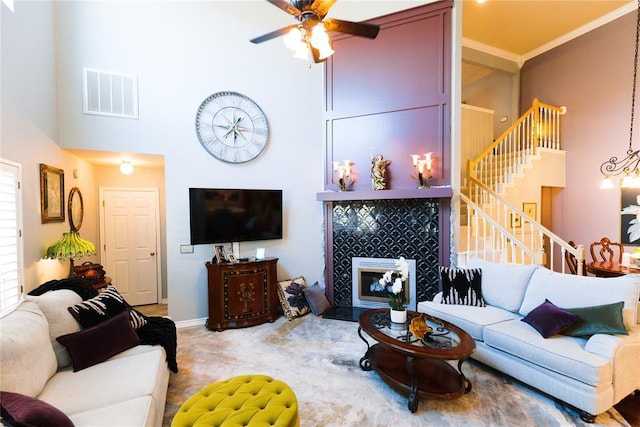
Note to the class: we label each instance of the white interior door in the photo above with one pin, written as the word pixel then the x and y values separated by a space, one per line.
pixel 130 238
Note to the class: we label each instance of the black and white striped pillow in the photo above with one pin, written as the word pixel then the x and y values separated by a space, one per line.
pixel 462 286
pixel 104 306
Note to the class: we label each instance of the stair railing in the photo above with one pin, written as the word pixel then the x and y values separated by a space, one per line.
pixel 537 127
pixel 499 231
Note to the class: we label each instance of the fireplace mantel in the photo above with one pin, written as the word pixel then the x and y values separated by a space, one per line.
pixel 405 193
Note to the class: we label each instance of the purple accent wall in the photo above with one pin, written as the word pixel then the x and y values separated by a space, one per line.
pixel 391 96
pixel 592 76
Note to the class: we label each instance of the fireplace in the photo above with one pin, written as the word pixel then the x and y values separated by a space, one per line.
pixel 415 229
pixel 366 273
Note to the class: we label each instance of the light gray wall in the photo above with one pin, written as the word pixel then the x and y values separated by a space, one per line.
pixel 29 133
pixel 592 77
pixel 182 52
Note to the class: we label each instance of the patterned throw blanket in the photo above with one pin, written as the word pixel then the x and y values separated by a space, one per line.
pixel 157 331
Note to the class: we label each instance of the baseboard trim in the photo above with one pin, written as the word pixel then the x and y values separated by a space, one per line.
pixel 189 323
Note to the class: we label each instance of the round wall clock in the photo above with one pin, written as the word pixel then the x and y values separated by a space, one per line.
pixel 232 127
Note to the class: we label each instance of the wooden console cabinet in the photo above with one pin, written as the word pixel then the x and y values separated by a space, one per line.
pixel 242 294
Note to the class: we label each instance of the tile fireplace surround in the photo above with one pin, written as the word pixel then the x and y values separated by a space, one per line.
pixel 384 229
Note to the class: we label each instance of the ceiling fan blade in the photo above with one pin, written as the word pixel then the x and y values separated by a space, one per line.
pixel 287 7
pixel 321 7
pixel 356 28
pixel 273 34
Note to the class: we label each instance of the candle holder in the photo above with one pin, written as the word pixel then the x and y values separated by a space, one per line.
pixel 343 174
pixel 423 169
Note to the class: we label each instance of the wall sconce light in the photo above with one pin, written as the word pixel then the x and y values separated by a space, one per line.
pixel 343 172
pixel 423 169
pixel 126 167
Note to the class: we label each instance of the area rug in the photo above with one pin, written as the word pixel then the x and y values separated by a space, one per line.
pixel 319 358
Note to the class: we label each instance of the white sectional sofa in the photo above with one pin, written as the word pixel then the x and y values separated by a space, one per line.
pixel 590 374
pixel 128 389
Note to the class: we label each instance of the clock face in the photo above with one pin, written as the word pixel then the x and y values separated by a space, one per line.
pixel 231 127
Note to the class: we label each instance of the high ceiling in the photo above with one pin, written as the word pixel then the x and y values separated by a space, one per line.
pixel 512 29
pixel 524 28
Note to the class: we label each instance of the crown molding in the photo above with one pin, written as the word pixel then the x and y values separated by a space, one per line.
pixel 521 59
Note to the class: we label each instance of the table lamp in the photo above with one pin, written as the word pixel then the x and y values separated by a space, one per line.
pixel 71 246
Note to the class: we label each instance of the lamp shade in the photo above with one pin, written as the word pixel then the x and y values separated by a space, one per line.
pixel 71 245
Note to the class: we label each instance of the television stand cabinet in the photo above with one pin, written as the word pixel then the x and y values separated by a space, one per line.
pixel 242 294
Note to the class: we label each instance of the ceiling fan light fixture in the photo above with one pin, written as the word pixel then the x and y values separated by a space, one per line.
pixel 320 40
pixel 293 38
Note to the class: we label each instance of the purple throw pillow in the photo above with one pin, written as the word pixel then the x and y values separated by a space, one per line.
pixel 549 319
pixel 98 343
pixel 20 410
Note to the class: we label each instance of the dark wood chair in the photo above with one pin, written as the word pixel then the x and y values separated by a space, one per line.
pixel 572 262
pixel 607 251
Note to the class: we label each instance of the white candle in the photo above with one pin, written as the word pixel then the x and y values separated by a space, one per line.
pixel 415 159
pixel 427 156
pixel 626 259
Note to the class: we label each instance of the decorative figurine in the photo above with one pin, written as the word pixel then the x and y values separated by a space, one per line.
pixel 379 172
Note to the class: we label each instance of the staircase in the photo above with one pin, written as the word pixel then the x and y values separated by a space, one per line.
pixel 496 229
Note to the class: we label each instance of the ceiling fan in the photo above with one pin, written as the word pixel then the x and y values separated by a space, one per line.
pixel 310 32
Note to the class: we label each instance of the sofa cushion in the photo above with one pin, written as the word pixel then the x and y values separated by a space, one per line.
pixel 571 291
pixel 471 319
pixel 316 299
pixel 105 305
pixel 550 320
pixel 54 306
pixel 503 285
pixel 600 319
pixel 561 354
pixel 462 286
pixel 292 299
pixel 125 376
pixel 20 410
pixel 100 342
pixel 27 356
pixel 139 411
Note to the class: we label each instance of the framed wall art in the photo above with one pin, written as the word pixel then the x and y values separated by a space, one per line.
pixel 51 194
pixel 630 210
pixel 516 220
pixel 530 209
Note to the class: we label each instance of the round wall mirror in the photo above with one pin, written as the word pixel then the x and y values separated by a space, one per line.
pixel 75 209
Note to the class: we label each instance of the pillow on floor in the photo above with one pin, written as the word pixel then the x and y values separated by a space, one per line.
pixel 316 299
pixel 20 410
pixel 100 342
pixel 462 286
pixel 549 319
pixel 599 319
pixel 105 306
pixel 292 299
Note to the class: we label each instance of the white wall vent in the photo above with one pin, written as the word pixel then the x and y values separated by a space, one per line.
pixel 110 94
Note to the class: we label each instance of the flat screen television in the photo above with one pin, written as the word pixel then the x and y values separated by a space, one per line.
pixel 221 215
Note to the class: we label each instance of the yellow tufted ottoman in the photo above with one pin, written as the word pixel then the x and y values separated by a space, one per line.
pixel 247 400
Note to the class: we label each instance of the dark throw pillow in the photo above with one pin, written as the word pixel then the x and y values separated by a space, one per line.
pixel 599 319
pixel 100 342
pixel 105 306
pixel 20 410
pixel 549 319
pixel 292 299
pixel 316 299
pixel 462 286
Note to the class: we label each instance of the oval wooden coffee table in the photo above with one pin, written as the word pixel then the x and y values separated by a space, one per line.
pixel 417 368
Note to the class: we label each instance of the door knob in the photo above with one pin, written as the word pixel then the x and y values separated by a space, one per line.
pixel 152 253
